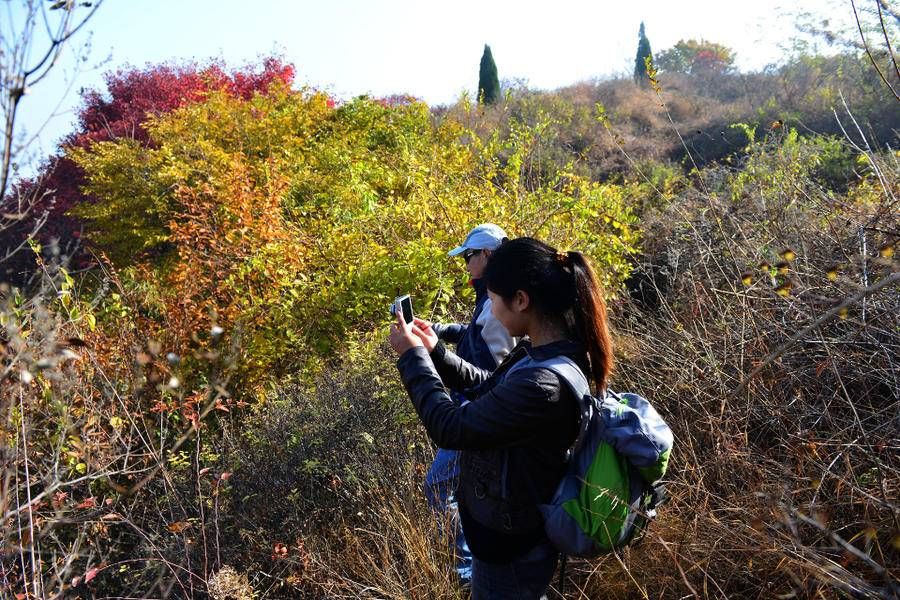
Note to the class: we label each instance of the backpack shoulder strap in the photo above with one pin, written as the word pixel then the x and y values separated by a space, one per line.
pixel 571 373
pixel 564 367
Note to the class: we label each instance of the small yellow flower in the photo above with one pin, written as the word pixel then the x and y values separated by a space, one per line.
pixel 886 251
pixel 842 314
pixel 788 254
pixel 784 290
pixel 783 268
pixel 832 273
pixel 747 278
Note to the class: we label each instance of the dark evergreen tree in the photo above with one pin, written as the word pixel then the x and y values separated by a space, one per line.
pixel 640 61
pixel 488 83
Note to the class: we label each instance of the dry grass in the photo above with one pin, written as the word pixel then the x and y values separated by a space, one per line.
pixel 786 474
pixel 785 482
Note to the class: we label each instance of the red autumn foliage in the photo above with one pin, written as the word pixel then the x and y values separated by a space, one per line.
pixel 135 94
pixel 90 574
pixel 132 95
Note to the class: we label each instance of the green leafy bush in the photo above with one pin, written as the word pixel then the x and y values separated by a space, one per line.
pixel 291 224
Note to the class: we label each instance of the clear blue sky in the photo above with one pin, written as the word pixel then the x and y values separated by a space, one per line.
pixel 428 49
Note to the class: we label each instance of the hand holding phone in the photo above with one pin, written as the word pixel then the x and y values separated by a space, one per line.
pixel 403 305
pixel 404 335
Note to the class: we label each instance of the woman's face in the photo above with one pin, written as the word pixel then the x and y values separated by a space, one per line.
pixel 510 314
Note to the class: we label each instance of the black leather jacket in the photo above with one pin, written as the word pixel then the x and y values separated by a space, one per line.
pixel 513 435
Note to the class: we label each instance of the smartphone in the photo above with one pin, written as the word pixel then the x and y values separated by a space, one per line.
pixel 404 304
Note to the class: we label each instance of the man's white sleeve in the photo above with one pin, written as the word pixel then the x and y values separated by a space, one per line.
pixel 498 340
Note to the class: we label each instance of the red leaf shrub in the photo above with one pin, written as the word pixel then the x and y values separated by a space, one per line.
pixel 132 96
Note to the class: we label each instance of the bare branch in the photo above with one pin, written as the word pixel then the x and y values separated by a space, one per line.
pixel 869 53
pixel 828 316
pixel 887 41
pixel 19 76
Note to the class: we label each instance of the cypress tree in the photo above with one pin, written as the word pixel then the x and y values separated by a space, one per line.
pixel 640 61
pixel 488 83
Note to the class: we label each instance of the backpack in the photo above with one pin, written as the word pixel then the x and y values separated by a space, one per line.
pixel 611 487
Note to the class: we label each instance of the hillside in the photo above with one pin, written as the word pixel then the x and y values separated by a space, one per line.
pixel 199 400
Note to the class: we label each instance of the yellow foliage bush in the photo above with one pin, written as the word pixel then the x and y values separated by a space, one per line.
pixel 291 224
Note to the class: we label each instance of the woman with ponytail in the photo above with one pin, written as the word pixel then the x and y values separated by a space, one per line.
pixel 514 433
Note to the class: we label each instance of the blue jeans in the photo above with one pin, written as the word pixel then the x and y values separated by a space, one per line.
pixel 440 485
pixel 525 578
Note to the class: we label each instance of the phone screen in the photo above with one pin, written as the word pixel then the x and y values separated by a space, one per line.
pixel 406 307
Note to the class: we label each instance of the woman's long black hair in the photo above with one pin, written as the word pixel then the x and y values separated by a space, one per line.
pixel 558 285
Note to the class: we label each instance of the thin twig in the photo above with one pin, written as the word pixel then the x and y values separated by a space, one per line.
pixel 826 317
pixel 869 53
pixel 887 41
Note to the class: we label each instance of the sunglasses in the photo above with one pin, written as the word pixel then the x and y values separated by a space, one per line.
pixel 468 254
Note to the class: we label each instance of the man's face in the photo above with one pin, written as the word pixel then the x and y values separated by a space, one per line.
pixel 476 261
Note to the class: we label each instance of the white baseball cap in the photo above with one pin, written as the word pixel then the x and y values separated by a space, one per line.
pixel 486 236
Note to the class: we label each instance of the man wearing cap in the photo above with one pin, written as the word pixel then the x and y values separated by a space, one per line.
pixel 484 342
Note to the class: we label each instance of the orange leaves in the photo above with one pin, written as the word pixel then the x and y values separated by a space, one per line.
pixel 279 550
pixel 87 503
pixel 233 243
pixel 178 527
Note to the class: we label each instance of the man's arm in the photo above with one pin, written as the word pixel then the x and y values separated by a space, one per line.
pixel 455 373
pixel 451 333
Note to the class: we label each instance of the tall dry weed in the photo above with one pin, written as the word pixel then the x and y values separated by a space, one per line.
pixel 786 475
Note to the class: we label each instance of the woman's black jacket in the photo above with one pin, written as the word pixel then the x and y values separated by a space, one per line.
pixel 513 436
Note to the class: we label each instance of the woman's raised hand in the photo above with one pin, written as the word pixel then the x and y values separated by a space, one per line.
pixel 424 331
pixel 404 336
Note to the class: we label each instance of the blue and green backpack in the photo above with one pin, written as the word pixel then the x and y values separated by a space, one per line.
pixel 612 483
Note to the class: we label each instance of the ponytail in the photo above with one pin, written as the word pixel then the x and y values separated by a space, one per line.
pixel 558 284
pixel 590 319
